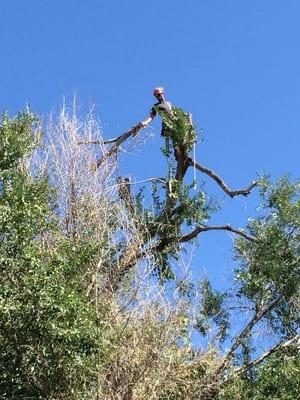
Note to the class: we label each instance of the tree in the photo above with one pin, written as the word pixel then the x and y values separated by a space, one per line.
pixel 267 251
pixel 91 305
pixel 48 330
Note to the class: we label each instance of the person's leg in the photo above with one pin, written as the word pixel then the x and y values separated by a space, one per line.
pixel 180 157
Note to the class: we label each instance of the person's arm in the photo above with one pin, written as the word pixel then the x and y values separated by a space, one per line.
pixel 144 124
pixel 147 121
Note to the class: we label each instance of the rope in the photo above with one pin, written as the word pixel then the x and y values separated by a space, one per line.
pixel 170 172
pixel 195 176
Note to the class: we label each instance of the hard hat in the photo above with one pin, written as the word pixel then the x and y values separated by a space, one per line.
pixel 158 90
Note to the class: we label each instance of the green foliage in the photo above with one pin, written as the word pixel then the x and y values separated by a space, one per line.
pixel 48 329
pixel 59 341
pixel 183 133
pixel 269 280
pixel 270 267
pixel 212 310
pixel 188 209
pixel 276 379
pixel 16 138
pixel 179 128
pixel 193 209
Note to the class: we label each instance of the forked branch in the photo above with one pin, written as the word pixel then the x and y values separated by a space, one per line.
pixel 117 143
pixel 220 182
pixel 121 139
pixel 203 228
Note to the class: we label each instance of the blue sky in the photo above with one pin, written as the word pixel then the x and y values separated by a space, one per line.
pixel 233 64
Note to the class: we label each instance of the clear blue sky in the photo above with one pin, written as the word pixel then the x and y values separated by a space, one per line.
pixel 234 64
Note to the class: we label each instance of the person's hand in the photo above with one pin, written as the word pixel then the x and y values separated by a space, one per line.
pixel 137 128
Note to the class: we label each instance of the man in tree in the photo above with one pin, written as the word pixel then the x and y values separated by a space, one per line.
pixel 162 107
pixel 177 125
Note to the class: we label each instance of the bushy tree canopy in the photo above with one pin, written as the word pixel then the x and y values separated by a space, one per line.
pixel 91 302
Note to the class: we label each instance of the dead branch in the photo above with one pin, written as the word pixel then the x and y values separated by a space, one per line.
pixel 125 194
pixel 108 141
pixel 203 228
pixel 126 262
pixel 220 182
pixel 129 262
pixel 161 180
pixel 164 242
pixel 118 141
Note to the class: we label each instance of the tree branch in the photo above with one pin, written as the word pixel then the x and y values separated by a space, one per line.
pixel 125 194
pixel 130 258
pixel 127 260
pixel 108 141
pixel 203 228
pixel 220 182
pixel 267 354
pixel 161 180
pixel 254 320
pixel 118 141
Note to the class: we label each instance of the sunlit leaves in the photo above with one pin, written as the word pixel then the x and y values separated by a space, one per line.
pixel 48 329
pixel 270 266
pixel 16 138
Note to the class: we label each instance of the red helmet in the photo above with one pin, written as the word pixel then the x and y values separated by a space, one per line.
pixel 158 90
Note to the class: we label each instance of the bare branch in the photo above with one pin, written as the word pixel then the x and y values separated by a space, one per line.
pixel 125 194
pixel 161 180
pixel 220 182
pixel 108 141
pixel 122 138
pixel 278 346
pixel 203 228
pixel 128 260
pixel 238 341
pixel 164 242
